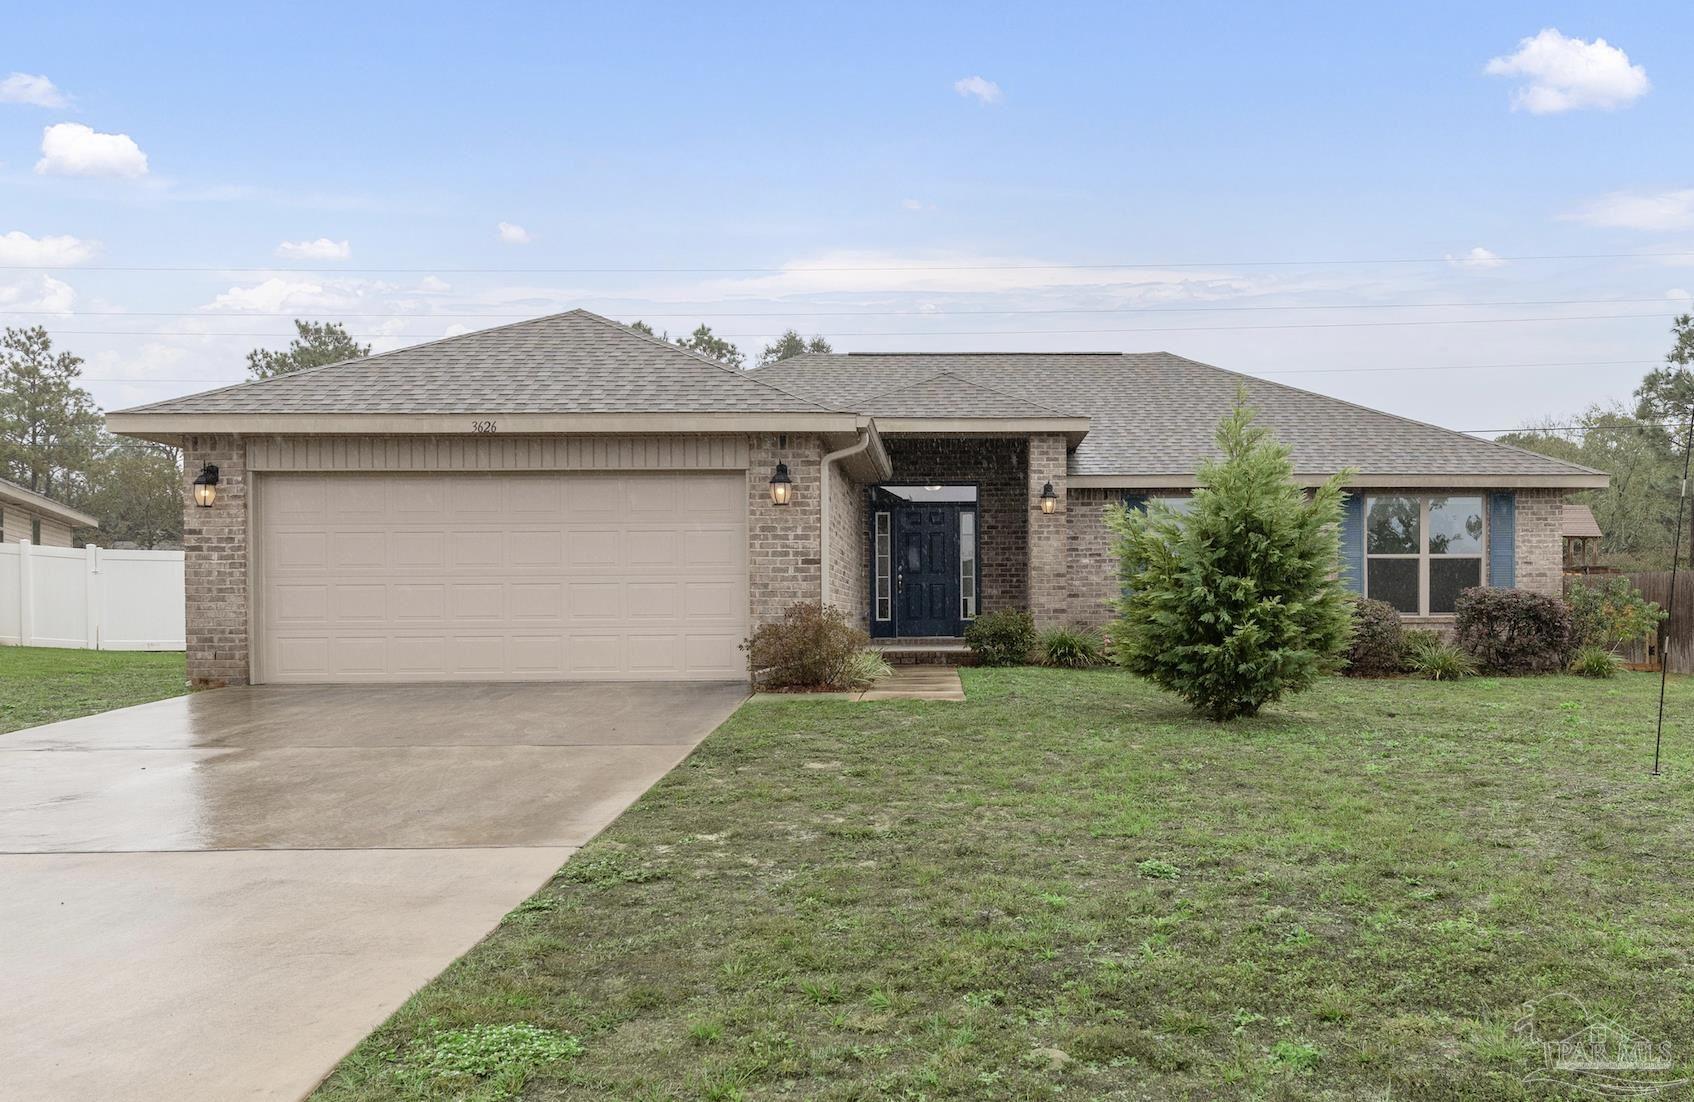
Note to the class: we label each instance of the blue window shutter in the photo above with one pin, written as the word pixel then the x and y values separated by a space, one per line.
pixel 1138 502
pixel 1502 539
pixel 1353 542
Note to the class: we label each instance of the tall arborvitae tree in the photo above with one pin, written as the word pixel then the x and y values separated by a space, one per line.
pixel 1236 602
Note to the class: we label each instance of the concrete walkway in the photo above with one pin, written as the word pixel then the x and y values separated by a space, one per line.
pixel 918 683
pixel 216 896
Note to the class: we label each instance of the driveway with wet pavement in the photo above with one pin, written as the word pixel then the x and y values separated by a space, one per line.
pixel 216 896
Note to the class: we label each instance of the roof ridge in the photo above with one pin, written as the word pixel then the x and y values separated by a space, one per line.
pixel 343 363
pixel 1385 413
pixel 736 371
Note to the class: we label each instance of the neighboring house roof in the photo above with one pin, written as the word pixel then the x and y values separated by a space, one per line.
pixel 576 362
pixel 14 495
pixel 1578 523
pixel 1155 414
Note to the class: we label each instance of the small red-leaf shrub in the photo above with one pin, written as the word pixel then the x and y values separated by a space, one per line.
pixel 1512 631
pixel 813 646
pixel 1378 648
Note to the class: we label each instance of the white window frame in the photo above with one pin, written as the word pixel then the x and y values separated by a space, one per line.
pixel 882 579
pixel 968 602
pixel 1423 555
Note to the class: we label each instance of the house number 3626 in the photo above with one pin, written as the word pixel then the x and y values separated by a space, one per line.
pixel 482 426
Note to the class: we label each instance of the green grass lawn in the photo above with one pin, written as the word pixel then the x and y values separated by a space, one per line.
pixel 1068 887
pixel 43 684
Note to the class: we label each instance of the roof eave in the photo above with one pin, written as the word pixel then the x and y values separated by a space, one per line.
pixel 168 427
pixel 1574 481
pixel 15 495
pixel 1072 428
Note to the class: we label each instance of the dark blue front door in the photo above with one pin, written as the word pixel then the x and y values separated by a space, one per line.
pixel 926 569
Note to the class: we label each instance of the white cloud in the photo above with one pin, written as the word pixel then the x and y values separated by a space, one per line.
pixel 916 204
pixel 434 285
pixel 457 329
pixel 513 234
pixel 985 91
pixel 1566 74
pixel 1665 210
pixel 321 249
pixel 72 149
pixel 868 272
pixel 35 90
pixel 19 249
pixel 1478 259
pixel 275 295
pixel 42 295
pixel 1677 293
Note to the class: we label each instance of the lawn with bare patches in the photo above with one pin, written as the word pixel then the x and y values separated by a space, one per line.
pixel 1069 887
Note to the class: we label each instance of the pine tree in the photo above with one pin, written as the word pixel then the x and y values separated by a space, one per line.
pixel 1237 602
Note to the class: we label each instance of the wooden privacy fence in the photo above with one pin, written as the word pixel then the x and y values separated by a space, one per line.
pixel 1676 634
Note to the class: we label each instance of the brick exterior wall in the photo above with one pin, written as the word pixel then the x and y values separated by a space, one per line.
pixel 214 544
pixel 1538 546
pixel 783 554
pixel 1093 576
pixel 849 548
pixel 996 467
pixel 1049 543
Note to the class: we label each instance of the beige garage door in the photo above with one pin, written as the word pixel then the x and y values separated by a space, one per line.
pixel 512 577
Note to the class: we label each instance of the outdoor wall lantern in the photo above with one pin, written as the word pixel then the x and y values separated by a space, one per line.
pixel 1049 499
pixel 206 486
pixel 782 487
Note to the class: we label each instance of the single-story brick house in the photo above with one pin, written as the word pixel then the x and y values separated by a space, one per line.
pixel 568 498
pixel 37 518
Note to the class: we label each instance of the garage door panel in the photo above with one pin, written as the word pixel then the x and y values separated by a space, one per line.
pixel 537 601
pixel 423 550
pixel 650 547
pixel 716 653
pixel 286 551
pixel 596 601
pixel 359 550
pixel 594 547
pixel 391 577
pixel 712 547
pixel 361 602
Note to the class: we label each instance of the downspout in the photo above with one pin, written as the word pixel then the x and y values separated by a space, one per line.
pixel 823 505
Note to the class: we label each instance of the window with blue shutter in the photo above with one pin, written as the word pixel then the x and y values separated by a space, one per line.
pixel 1353 542
pixel 1502 539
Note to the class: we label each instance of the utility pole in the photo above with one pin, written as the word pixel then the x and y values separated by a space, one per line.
pixel 1675 555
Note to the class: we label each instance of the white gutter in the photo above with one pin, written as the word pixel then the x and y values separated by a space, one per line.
pixel 823 504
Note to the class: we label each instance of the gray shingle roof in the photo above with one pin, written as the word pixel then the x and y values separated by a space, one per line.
pixel 949 395
pixel 576 362
pixel 1154 413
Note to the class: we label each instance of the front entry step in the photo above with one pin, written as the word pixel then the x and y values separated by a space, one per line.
pixel 931 651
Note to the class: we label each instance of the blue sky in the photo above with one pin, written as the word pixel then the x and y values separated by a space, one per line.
pixel 766 165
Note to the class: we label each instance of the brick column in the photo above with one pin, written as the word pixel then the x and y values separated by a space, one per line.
pixel 784 542
pixel 1049 580
pixel 214 544
pixel 1538 543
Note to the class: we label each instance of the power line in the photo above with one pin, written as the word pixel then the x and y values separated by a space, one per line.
pixel 1007 311
pixel 958 332
pixel 802 270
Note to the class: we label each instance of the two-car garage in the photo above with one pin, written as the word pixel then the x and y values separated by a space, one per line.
pixel 519 576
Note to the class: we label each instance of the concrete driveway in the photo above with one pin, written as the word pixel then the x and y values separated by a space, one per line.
pixel 216 896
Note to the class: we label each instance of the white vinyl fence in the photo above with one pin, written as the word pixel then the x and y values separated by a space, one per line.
pixel 91 598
